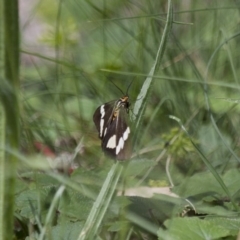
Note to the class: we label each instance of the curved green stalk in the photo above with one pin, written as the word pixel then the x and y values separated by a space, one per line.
pixel 140 105
pixel 2 125
pixel 101 204
pixel 9 111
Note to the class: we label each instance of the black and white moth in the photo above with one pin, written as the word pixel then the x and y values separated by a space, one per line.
pixel 111 122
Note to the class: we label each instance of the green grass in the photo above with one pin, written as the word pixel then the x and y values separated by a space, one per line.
pixel 184 65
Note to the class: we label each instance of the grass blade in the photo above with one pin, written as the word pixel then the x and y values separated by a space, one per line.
pixel 101 204
pixel 140 104
pixel 2 125
pixel 207 163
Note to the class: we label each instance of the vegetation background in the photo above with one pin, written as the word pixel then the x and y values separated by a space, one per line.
pixel 71 53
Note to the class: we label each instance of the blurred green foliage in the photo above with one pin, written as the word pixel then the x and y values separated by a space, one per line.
pixel 84 47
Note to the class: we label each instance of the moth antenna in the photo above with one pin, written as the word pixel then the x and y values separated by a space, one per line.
pixel 129 86
pixel 117 87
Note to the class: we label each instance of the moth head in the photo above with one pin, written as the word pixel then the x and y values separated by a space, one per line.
pixel 123 102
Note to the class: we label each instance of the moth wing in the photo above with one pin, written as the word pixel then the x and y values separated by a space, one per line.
pixel 116 142
pixel 102 116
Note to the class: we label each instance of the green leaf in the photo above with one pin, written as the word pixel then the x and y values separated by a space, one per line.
pixel 208 207
pixel 20 186
pixel 40 178
pixel 191 228
pixel 34 201
pixel 66 231
pixel 205 183
pixel 75 206
pixel 212 145
pixel 232 224
pixel 118 225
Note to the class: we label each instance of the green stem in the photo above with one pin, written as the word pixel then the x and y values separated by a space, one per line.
pixel 2 124
pixel 9 111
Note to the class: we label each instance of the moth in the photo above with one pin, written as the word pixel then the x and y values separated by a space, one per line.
pixel 111 120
